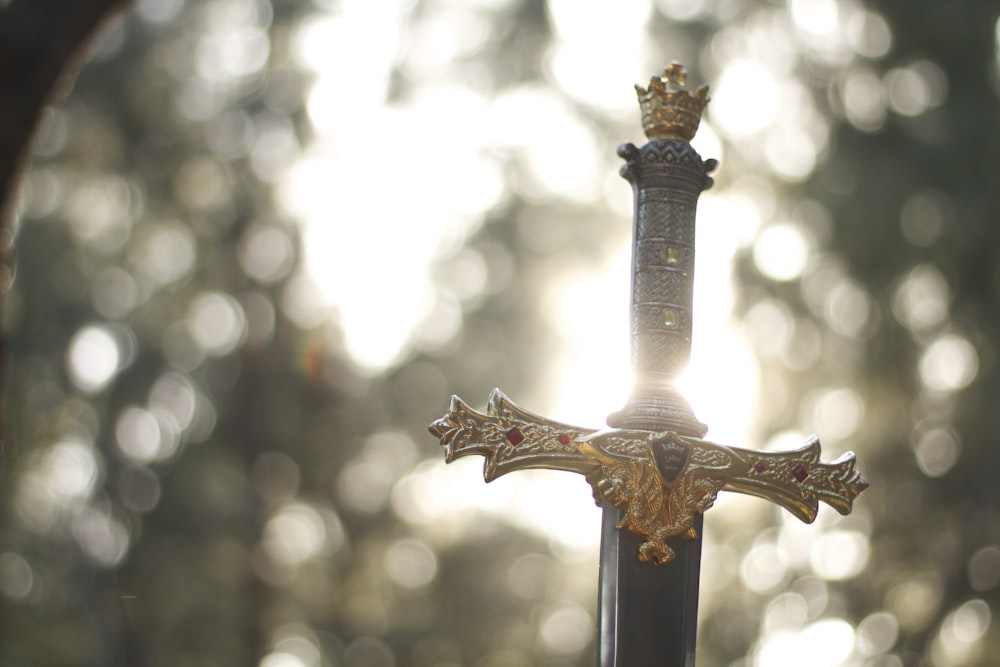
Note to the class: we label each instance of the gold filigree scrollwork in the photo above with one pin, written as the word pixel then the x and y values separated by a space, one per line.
pixel 659 480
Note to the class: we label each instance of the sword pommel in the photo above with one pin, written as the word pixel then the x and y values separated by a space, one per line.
pixel 669 110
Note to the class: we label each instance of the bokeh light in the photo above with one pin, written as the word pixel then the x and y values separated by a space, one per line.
pixel 781 252
pixel 410 563
pixel 16 576
pixel 827 643
pixel 949 363
pixel 93 358
pixel 984 568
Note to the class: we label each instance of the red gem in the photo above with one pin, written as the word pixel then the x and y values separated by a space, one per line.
pixel 800 472
pixel 514 436
pixel 760 466
pixel 563 439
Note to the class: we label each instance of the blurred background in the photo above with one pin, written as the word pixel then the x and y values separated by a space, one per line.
pixel 262 242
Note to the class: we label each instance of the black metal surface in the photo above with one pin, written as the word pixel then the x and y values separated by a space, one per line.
pixel 648 613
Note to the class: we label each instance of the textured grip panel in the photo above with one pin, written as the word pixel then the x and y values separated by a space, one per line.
pixel 667 176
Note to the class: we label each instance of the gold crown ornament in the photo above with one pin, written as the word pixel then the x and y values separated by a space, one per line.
pixel 669 111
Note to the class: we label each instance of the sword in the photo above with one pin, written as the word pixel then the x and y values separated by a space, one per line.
pixel 651 471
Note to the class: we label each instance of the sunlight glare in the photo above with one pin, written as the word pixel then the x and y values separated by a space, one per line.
pixel 745 100
pixel 595 367
pixel 827 643
pixel 721 382
pixel 781 252
pixel 723 374
pixel 384 189
pixel 816 17
pixel 550 504
pixel 375 217
pixel 594 76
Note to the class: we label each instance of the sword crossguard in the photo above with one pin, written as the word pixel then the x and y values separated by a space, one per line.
pixel 660 480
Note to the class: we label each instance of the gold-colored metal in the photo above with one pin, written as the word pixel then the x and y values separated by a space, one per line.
pixel 669 111
pixel 660 480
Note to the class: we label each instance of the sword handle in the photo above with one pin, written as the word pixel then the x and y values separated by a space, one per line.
pixel 667 175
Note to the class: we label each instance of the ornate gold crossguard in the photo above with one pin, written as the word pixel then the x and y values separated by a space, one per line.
pixel 659 480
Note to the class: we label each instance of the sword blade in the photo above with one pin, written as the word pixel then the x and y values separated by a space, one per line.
pixel 648 615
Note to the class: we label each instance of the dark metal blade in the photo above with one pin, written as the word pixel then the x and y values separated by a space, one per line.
pixel 648 614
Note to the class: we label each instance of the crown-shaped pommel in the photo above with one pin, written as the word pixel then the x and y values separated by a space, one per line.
pixel 669 111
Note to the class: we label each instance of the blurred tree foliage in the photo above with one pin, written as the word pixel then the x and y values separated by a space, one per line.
pixel 205 477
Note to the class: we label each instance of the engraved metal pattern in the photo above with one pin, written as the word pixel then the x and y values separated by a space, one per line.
pixel 665 352
pixel 658 500
pixel 657 217
pixel 667 177
pixel 670 153
pixel 654 285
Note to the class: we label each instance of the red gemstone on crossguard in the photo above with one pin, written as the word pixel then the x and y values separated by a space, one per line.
pixel 514 436
pixel 800 472
pixel 563 439
pixel 760 466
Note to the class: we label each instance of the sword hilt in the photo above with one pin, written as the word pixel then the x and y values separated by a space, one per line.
pixel 652 469
pixel 667 175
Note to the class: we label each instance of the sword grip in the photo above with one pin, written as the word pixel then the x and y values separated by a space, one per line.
pixel 667 176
